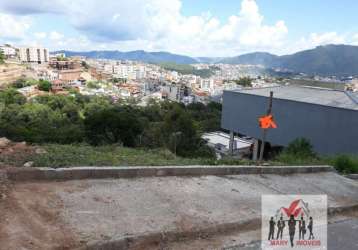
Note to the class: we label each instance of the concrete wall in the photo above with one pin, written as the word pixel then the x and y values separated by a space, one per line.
pixel 330 130
pixel 78 173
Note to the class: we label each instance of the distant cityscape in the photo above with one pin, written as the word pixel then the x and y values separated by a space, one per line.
pixel 140 82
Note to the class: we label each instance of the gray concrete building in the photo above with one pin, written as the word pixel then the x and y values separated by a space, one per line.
pixel 328 118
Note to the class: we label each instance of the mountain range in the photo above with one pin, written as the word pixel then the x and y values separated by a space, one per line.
pixel 328 60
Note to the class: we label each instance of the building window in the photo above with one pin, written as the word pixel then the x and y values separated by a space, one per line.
pixel 38 56
pixel 28 55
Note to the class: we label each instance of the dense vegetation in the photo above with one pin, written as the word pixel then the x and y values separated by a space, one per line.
pixel 81 130
pixel 98 121
pixel 43 85
pixel 186 69
pixel 243 81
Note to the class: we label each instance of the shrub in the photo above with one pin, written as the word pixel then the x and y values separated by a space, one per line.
pixel 300 152
pixel 345 164
pixel 300 148
pixel 44 85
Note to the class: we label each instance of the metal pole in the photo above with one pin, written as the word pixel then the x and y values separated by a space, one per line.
pixel 263 141
pixel 262 147
pixel 255 150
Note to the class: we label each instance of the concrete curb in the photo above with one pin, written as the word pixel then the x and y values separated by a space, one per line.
pixel 172 236
pixel 352 176
pixel 78 173
pixel 133 242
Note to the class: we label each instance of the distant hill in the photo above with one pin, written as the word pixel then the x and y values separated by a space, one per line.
pixel 187 69
pixel 138 55
pixel 261 58
pixel 209 59
pixel 339 60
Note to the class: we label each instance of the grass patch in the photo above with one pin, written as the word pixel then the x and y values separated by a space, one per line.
pixel 294 160
pixel 300 152
pixel 85 155
pixel 346 164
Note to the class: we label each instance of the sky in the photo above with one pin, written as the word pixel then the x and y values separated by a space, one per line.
pixel 191 27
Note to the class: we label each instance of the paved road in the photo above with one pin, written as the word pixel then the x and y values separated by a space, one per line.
pixel 342 235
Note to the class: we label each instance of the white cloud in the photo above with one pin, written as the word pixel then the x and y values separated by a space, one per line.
pixel 316 39
pixel 326 38
pixel 40 35
pixel 355 39
pixel 13 27
pixel 157 25
pixel 160 25
pixel 54 35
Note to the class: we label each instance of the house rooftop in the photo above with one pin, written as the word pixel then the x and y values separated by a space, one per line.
pixel 307 94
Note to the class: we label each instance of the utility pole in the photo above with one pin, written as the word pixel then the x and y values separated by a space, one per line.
pixel 264 131
pixel 231 143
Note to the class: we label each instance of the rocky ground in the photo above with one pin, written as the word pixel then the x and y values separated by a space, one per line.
pixel 16 154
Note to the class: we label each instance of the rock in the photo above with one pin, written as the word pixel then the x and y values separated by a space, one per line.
pixel 4 142
pixel 40 151
pixel 28 164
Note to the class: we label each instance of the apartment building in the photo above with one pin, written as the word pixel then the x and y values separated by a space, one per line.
pixel 34 55
pixel 8 51
pixel 207 85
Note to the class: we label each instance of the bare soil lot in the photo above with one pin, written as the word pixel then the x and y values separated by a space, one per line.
pixel 72 214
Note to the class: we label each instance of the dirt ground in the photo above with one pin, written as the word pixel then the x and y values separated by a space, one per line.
pixel 67 215
pixel 32 222
pixel 16 154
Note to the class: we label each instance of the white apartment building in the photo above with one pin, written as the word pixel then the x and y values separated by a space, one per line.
pixel 207 85
pixel 34 55
pixel 108 69
pixel 8 51
pixel 128 71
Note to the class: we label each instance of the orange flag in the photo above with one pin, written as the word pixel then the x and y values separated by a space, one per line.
pixel 267 122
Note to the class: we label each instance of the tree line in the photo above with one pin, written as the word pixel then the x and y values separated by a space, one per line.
pixel 98 121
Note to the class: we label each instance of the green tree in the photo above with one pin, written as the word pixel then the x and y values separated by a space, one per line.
pixel 36 122
pixel 180 134
pixel 20 83
pixel 2 57
pixel 93 85
pixel 61 58
pixel 244 81
pixel 85 65
pixel 11 96
pixel 44 85
pixel 116 124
